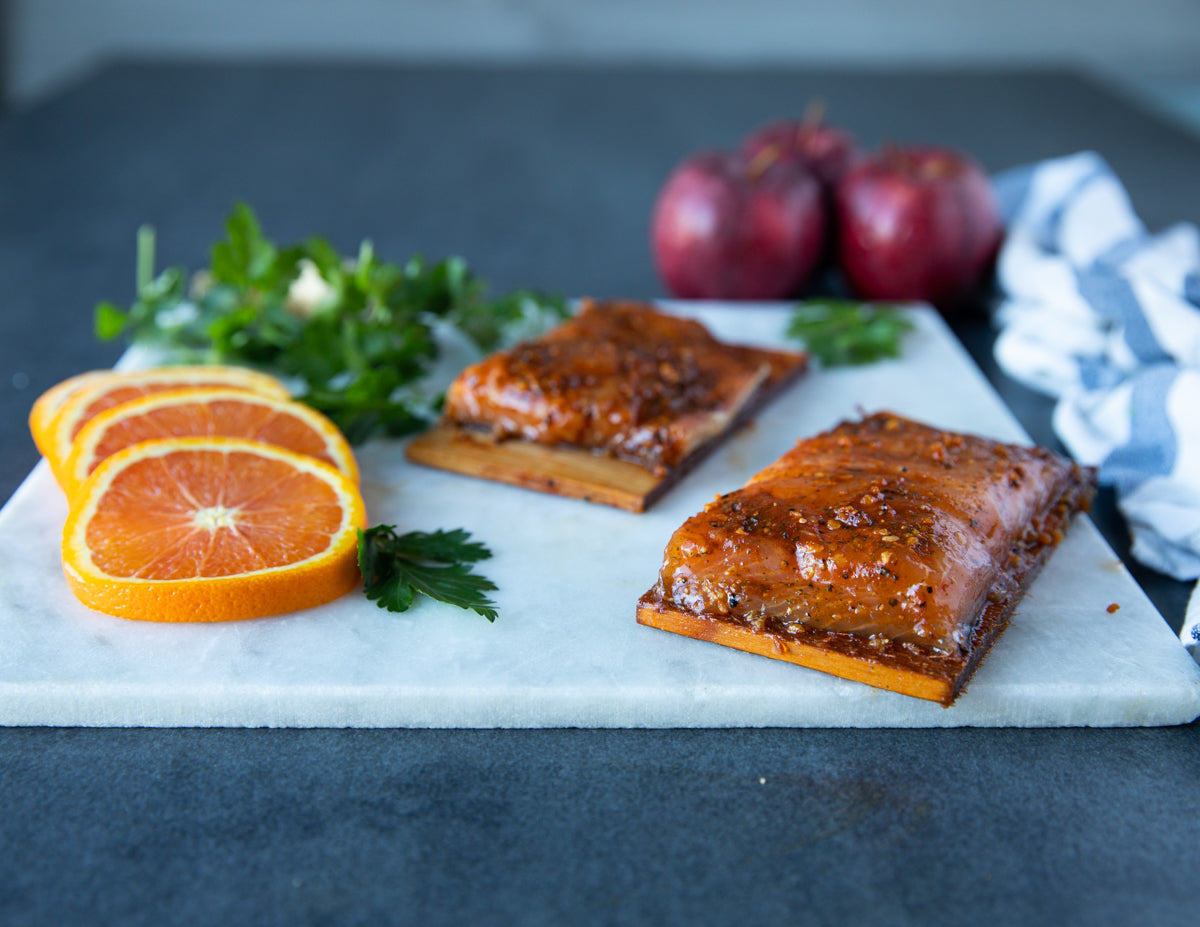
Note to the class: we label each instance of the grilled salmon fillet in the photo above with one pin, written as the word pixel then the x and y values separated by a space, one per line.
pixel 620 378
pixel 881 544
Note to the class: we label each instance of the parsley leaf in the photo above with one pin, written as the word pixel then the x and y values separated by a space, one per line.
pixel 356 334
pixel 397 567
pixel 245 258
pixel 839 332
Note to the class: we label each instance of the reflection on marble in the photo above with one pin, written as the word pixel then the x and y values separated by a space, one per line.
pixel 566 650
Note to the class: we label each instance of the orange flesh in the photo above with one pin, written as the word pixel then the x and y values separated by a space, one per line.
pixel 244 419
pixel 213 514
pixel 122 394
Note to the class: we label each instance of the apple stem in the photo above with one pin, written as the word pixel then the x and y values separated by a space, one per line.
pixel 814 113
pixel 759 164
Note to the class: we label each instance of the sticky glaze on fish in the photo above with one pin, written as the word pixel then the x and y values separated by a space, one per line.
pixel 621 378
pixel 885 529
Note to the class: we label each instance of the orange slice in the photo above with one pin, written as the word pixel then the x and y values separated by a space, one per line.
pixel 45 409
pixel 93 396
pixel 205 411
pixel 211 529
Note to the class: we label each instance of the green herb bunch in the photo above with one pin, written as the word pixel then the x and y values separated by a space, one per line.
pixel 354 336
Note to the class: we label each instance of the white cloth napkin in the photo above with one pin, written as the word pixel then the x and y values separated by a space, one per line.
pixel 1105 316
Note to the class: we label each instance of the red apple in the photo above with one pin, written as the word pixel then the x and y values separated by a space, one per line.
pixel 827 151
pixel 917 223
pixel 726 226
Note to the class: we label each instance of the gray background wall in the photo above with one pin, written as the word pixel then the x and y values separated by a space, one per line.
pixel 1149 46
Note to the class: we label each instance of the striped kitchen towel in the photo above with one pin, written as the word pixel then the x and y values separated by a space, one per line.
pixel 1105 316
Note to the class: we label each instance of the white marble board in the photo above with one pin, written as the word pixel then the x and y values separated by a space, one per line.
pixel 566 651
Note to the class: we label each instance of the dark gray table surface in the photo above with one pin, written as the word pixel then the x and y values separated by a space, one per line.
pixel 543 177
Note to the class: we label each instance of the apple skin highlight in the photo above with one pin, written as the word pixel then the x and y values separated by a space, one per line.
pixel 727 225
pixel 917 223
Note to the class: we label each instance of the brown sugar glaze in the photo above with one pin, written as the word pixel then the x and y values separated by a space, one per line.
pixel 884 529
pixel 620 378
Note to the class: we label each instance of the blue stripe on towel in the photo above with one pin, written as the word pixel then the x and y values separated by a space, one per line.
pixel 1191 287
pixel 1011 189
pixel 1152 445
pixel 1098 373
pixel 1123 250
pixel 1112 297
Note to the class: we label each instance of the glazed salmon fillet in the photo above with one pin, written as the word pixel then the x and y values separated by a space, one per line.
pixel 620 378
pixel 885 541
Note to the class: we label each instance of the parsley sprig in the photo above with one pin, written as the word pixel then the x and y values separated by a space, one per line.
pixel 840 332
pixel 395 567
pixel 357 334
